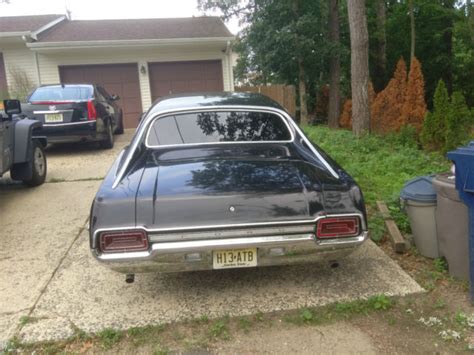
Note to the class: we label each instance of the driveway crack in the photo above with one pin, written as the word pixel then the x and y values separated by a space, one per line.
pixel 45 287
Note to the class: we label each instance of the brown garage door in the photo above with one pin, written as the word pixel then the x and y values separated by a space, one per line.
pixel 119 79
pixel 178 77
pixel 3 79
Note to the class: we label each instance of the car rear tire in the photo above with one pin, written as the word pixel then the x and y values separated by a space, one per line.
pixel 37 164
pixel 119 129
pixel 108 143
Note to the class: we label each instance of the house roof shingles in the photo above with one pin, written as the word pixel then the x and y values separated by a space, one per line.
pixel 25 23
pixel 139 29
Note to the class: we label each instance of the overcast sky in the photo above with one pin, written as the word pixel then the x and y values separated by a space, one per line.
pixel 106 9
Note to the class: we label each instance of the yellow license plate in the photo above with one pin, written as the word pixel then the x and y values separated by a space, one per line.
pixel 234 258
pixel 53 117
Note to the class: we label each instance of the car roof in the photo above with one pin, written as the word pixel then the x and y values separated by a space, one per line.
pixel 66 85
pixel 210 99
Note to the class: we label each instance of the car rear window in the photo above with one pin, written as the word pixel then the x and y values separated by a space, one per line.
pixel 60 93
pixel 213 127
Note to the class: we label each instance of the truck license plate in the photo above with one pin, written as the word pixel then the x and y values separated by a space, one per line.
pixel 234 258
pixel 53 117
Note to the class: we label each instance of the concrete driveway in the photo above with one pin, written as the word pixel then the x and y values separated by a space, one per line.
pixel 51 285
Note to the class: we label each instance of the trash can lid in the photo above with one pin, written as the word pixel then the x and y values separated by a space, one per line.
pixel 419 189
pixel 444 185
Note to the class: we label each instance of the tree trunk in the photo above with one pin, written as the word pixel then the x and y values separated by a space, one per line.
pixel 412 27
pixel 302 93
pixel 447 74
pixel 470 19
pixel 301 73
pixel 359 66
pixel 381 56
pixel 334 109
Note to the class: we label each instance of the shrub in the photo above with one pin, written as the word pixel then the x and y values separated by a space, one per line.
pixel 414 105
pixel 458 123
pixel 433 133
pixel 21 84
pixel 386 111
pixel 400 104
pixel 345 120
pixel 450 124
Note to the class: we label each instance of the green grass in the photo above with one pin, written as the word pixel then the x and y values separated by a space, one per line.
pixel 219 329
pixel 340 311
pixel 109 337
pixel 380 165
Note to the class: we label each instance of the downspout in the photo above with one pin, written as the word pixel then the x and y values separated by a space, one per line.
pixel 38 74
pixel 230 72
pixel 28 39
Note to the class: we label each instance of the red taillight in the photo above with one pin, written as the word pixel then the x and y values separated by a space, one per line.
pixel 91 111
pixel 117 242
pixel 336 227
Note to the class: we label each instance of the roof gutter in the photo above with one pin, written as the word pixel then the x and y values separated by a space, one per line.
pixel 34 34
pixel 28 35
pixel 14 34
pixel 126 43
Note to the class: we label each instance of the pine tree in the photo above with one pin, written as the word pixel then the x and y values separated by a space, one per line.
pixel 458 123
pixel 387 107
pixel 414 106
pixel 433 134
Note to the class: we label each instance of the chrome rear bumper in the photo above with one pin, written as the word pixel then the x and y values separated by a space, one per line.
pixel 174 256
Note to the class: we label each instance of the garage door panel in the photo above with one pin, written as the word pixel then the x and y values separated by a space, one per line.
pixel 179 77
pixel 118 79
pixel 131 90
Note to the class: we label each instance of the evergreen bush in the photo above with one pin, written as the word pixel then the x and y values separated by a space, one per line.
pixel 450 124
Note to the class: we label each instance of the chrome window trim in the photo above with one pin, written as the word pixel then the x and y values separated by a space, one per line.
pixel 145 125
pixel 212 109
pixel 230 226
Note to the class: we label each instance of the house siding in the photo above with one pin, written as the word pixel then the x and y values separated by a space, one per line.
pixel 19 59
pixel 49 62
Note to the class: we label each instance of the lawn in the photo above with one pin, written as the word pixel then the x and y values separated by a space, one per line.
pixel 380 165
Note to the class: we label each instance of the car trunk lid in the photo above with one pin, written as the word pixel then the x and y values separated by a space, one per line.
pixel 225 192
pixel 51 112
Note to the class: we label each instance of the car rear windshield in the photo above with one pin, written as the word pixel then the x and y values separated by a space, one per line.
pixel 212 127
pixel 60 93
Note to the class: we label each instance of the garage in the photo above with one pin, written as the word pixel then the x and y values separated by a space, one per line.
pixel 119 79
pixel 168 78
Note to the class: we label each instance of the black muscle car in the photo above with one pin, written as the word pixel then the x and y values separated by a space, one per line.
pixel 76 113
pixel 228 180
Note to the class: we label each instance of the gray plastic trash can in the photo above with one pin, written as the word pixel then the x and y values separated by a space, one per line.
pixel 419 199
pixel 452 226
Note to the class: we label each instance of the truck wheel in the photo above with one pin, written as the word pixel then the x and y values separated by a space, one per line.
pixel 119 129
pixel 38 165
pixel 108 143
